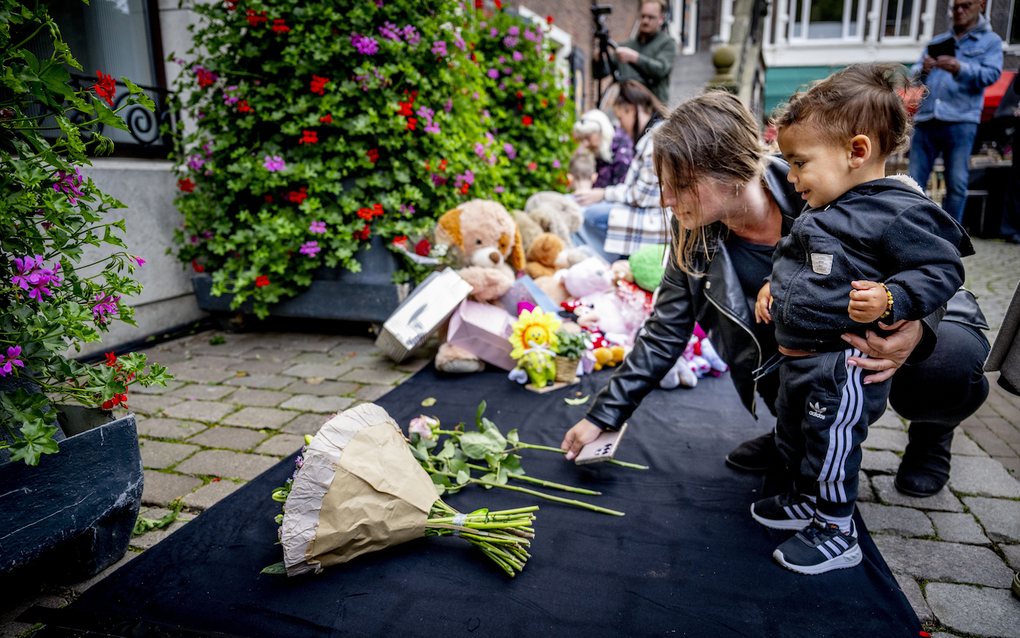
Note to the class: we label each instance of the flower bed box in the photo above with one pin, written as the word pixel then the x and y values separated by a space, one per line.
pixel 335 293
pixel 73 514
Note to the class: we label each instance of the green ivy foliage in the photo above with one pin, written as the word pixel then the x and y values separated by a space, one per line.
pixel 314 126
pixel 48 213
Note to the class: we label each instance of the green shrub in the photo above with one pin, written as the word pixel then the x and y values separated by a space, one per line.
pixel 48 213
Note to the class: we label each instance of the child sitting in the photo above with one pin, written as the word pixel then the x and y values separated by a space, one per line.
pixel 867 249
pixel 581 173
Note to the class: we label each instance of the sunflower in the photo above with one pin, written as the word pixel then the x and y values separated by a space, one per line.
pixel 534 326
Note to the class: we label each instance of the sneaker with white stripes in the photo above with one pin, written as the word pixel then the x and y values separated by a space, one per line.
pixel 820 548
pixel 784 511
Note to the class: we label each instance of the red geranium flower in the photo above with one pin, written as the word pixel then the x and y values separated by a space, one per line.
pixel 442 165
pixel 269 199
pixel 244 108
pixel 197 266
pixel 105 87
pixel 406 108
pixel 319 84
pixel 400 241
pixel 464 188
pixel 363 233
pixel 298 196
pixel 519 95
pixel 545 102
pixel 422 248
pixel 261 280
pixel 499 4
pixel 111 359
pixel 309 137
pixel 186 185
pixel 552 58
pixel 377 210
pixel 254 18
pixel 478 4
pixel 280 26
pixel 326 119
pixel 526 120
pixel 365 213
pixel 373 155
pixel 411 123
pixel 549 19
pixel 232 5
pixel 532 166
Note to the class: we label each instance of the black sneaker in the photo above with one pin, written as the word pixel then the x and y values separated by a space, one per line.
pixel 820 548
pixel 757 455
pixel 785 511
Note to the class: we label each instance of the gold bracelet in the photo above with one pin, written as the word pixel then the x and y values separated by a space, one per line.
pixel 889 305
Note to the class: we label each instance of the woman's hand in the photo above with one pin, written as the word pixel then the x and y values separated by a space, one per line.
pixel 885 355
pixel 763 305
pixel 583 433
pixel 868 301
pixel 589 197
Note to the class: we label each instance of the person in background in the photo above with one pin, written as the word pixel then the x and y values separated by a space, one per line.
pixel 649 57
pixel 947 120
pixel 581 171
pixel 622 218
pixel 612 147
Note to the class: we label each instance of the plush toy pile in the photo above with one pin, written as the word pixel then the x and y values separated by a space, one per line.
pixel 605 303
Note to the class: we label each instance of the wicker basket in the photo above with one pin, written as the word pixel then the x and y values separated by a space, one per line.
pixel 566 369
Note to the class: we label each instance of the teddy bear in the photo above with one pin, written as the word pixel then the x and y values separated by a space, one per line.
pixel 544 256
pixel 550 212
pixel 482 235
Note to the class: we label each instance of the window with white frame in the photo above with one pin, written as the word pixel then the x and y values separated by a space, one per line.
pixel 902 18
pixel 828 19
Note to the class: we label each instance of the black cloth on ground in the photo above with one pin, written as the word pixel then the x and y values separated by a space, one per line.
pixel 687 559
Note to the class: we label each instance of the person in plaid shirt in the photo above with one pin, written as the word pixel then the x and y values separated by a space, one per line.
pixel 622 218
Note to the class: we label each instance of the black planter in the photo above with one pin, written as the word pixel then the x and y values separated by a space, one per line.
pixel 73 514
pixel 335 293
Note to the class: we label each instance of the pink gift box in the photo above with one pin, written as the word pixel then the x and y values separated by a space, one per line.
pixel 483 330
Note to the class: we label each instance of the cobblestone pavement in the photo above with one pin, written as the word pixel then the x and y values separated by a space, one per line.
pixel 238 407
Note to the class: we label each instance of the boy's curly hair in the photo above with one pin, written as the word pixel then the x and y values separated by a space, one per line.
pixel 862 99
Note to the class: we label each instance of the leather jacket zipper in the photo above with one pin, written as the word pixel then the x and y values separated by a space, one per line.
pixel 734 319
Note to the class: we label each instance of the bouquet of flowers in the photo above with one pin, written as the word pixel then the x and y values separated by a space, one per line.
pixel 359 489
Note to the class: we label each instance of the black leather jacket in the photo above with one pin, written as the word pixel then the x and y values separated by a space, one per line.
pixel 717 302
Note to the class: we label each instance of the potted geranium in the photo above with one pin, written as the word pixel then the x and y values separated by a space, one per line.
pixel 83 497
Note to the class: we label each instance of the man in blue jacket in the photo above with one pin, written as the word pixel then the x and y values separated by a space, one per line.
pixel 947 120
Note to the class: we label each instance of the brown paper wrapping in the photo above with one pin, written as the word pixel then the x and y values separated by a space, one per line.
pixel 360 490
pixel 380 497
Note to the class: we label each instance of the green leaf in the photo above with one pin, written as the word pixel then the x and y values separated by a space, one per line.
pixel 106 116
pixel 140 96
pixel 463 477
pixel 477 444
pixel 479 413
pixel 512 437
pixel 429 402
pixel 36 442
pixel 583 399
pixel 276 569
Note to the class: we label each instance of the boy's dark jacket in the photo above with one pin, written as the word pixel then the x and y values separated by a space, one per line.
pixel 716 301
pixel 883 231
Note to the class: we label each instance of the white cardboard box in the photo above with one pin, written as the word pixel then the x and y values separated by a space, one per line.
pixel 430 304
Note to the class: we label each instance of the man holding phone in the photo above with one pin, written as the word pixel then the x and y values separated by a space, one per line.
pixel 956 67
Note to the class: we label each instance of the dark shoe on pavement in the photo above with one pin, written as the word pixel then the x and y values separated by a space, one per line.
pixel 757 455
pixel 925 466
pixel 819 548
pixel 785 511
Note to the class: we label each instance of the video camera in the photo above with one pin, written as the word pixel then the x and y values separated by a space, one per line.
pixel 600 65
